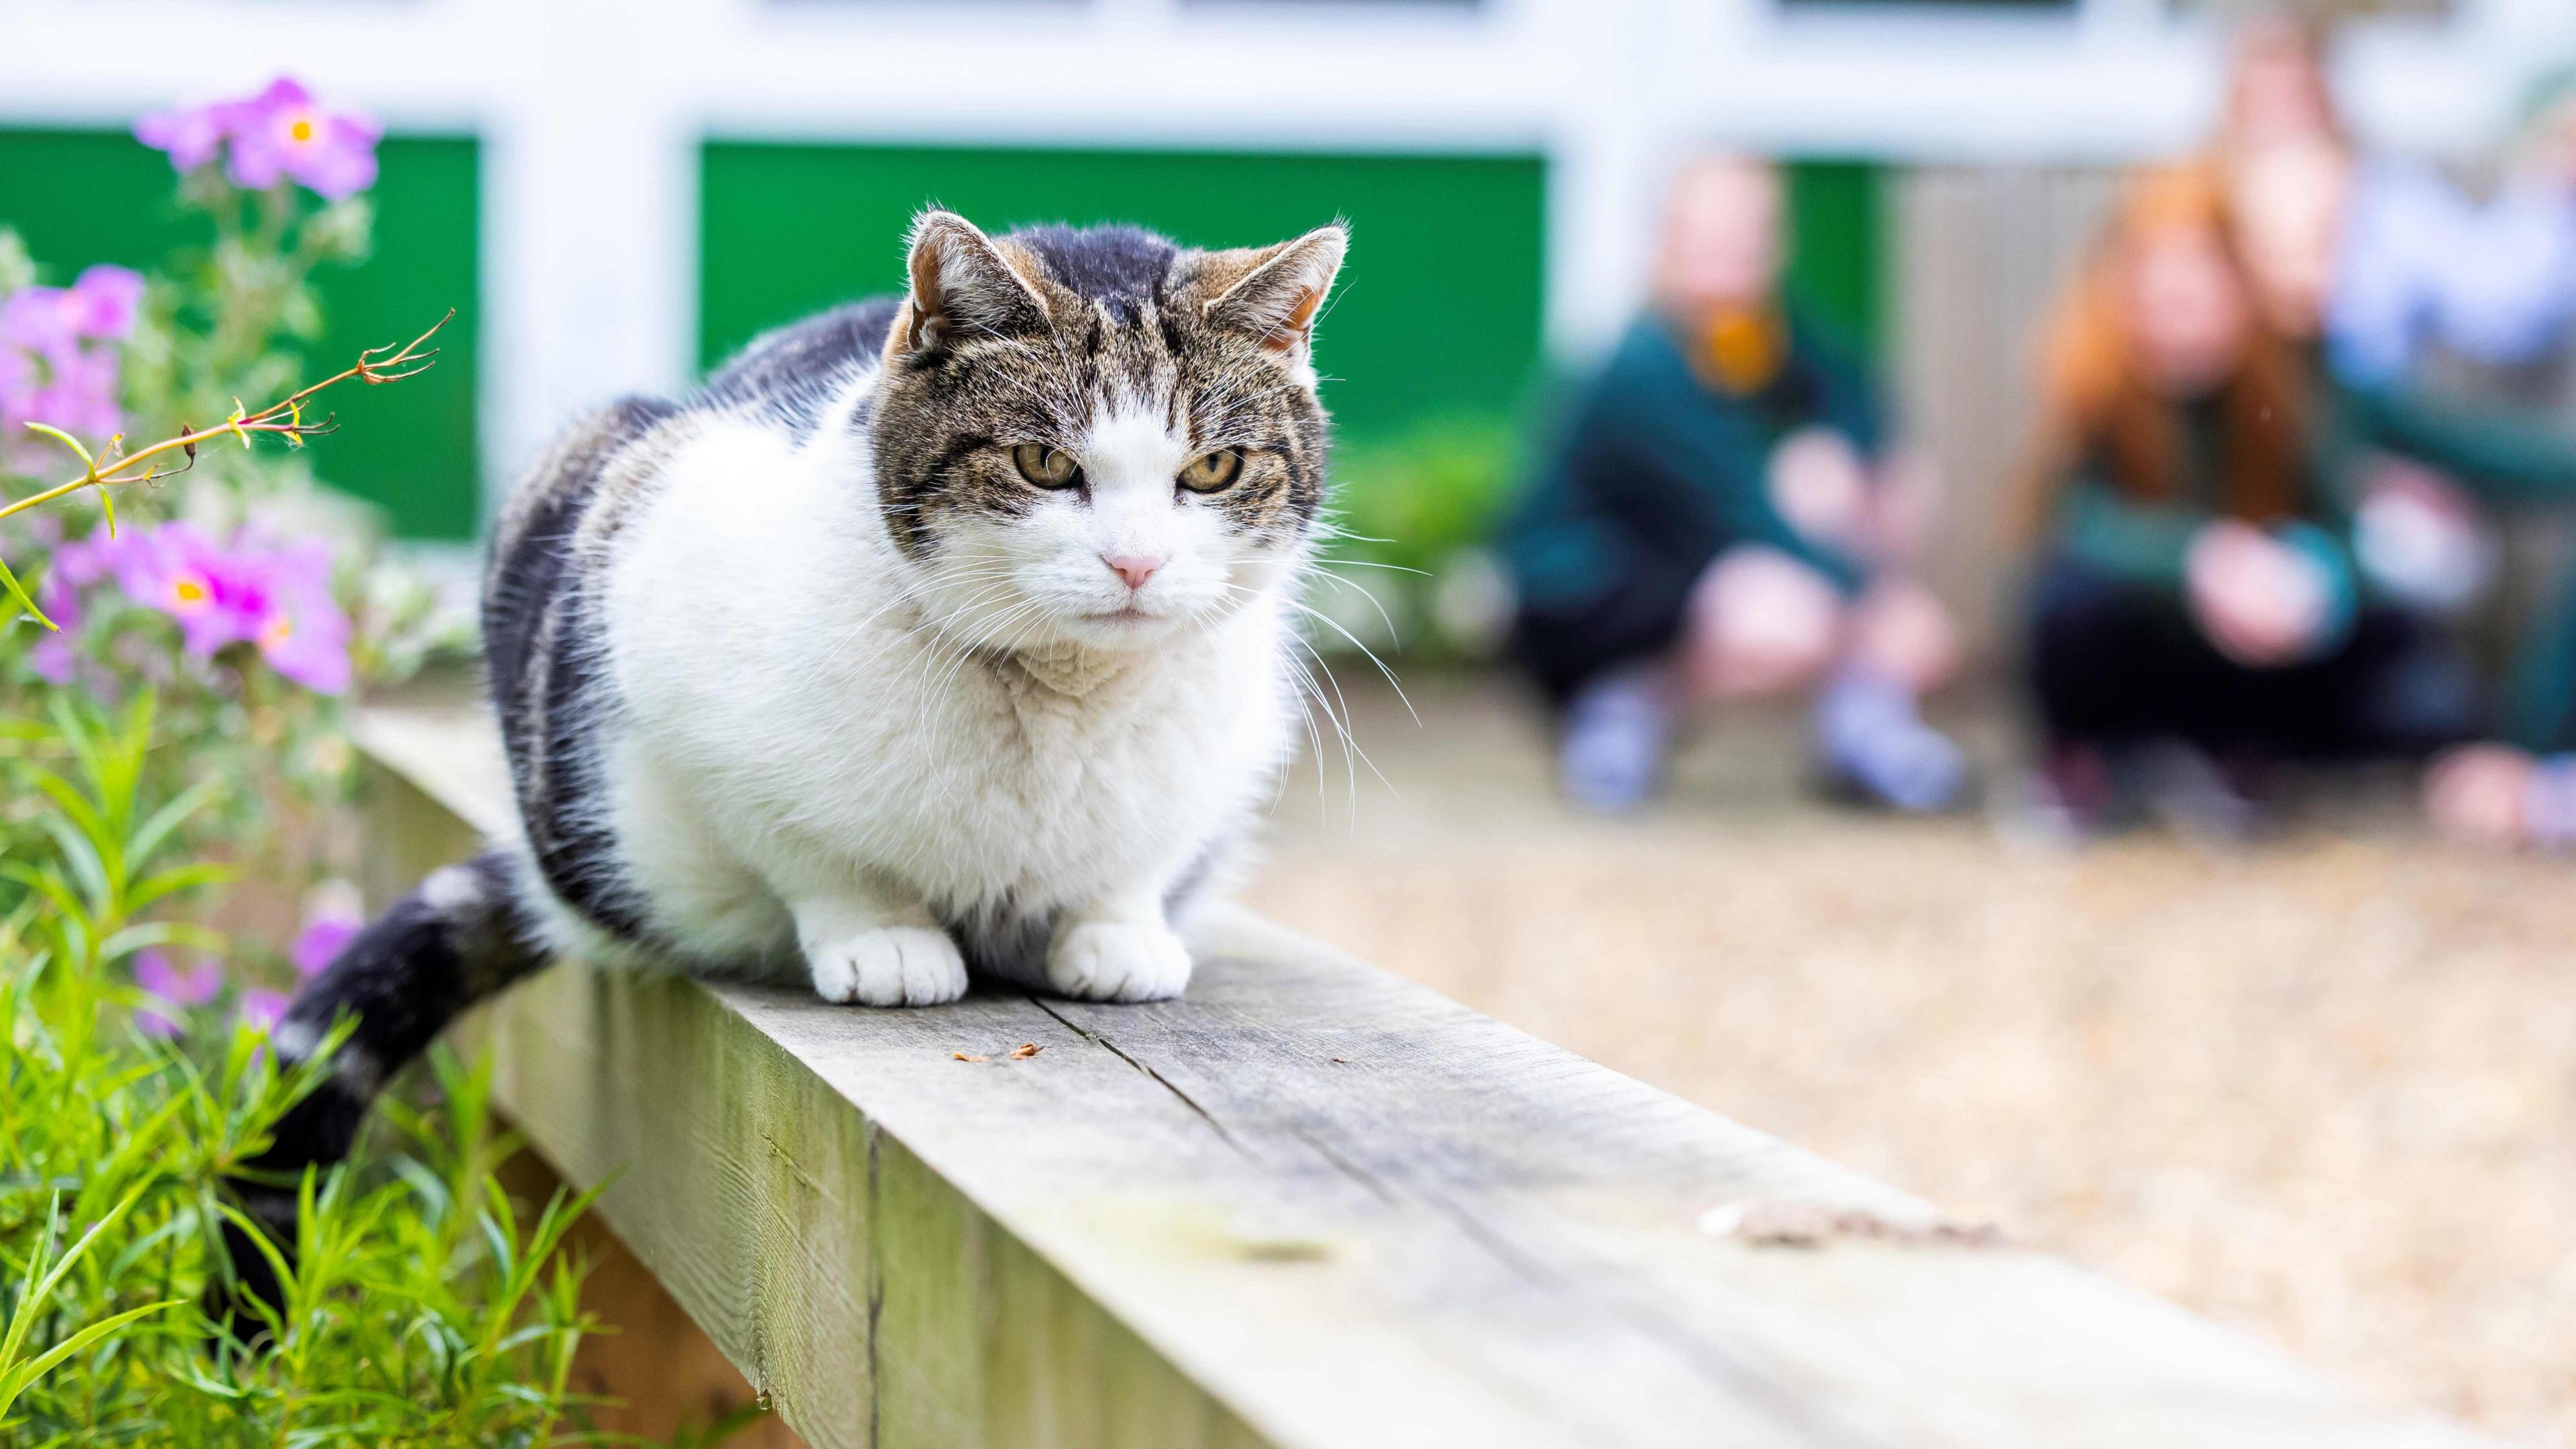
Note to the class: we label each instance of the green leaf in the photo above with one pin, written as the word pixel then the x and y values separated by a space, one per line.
pixel 47 884
pixel 15 1382
pixel 26 602
pixel 82 858
pixel 67 440
pixel 152 832
pixel 177 878
pixel 161 933
pixel 34 1294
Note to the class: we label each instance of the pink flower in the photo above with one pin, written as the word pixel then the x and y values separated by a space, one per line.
pixel 81 399
pixel 261 1009
pixel 279 133
pixel 41 320
pixel 321 943
pixel 107 299
pixel 180 571
pixel 51 369
pixel 191 135
pixel 59 596
pixel 53 321
pixel 81 563
pixel 306 638
pixel 174 988
pixel 52 659
pixel 277 598
pixel 17 373
pixel 282 132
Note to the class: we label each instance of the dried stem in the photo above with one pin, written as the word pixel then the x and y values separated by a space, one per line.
pixel 283 418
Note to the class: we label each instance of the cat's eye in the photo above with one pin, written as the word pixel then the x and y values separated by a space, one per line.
pixel 1209 472
pixel 1046 467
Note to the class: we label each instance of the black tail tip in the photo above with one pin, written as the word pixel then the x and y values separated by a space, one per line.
pixel 245 1302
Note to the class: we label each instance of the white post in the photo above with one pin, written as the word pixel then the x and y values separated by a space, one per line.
pixel 589 245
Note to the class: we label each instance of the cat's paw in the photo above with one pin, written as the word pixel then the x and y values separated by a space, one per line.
pixel 1119 961
pixel 889 966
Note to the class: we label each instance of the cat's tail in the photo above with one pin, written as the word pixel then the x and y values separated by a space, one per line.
pixel 461 936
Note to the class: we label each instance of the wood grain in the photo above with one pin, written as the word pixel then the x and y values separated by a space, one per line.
pixel 1308 1205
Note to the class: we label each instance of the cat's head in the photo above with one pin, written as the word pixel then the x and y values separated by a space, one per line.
pixel 1096 436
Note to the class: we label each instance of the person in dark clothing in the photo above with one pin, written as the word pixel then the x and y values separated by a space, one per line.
pixel 1721 517
pixel 2336 253
pixel 2200 609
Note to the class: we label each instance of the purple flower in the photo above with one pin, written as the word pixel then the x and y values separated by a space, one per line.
pixel 173 987
pixel 81 398
pixel 283 132
pixel 178 570
pixel 51 656
pixel 53 321
pixel 107 299
pixel 260 1008
pixel 275 597
pixel 51 369
pixel 321 943
pixel 306 638
pixel 191 135
pixel 52 660
pixel 41 320
pixel 280 133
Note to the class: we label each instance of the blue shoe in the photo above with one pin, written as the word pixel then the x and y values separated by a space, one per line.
pixel 1876 745
pixel 1617 733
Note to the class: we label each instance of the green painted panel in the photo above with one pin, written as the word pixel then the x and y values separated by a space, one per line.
pixel 1438 311
pixel 79 197
pixel 1837 220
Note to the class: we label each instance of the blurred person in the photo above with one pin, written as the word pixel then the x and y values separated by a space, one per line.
pixel 2357 266
pixel 2493 283
pixel 2278 90
pixel 2199 612
pixel 1721 519
pixel 2416 472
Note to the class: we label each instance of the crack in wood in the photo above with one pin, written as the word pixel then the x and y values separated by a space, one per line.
pixel 778 1153
pixel 1159 1079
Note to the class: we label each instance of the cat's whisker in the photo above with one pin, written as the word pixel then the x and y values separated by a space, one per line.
pixel 1370 654
pixel 1352 755
pixel 1329 563
pixel 1326 528
pixel 1374 602
pixel 1314 736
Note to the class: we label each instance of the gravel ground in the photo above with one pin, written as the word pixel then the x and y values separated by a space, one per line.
pixel 2323 1088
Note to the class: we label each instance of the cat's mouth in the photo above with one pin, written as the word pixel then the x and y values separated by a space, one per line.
pixel 1127 615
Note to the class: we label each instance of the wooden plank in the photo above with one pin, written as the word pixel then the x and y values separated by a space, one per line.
pixel 1980 256
pixel 1309 1204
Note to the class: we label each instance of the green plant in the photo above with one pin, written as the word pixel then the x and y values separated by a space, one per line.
pixel 419 1307
pixel 1412 515
pixel 175 757
pixel 252 601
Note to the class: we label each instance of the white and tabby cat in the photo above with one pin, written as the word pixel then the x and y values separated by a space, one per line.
pixel 937 632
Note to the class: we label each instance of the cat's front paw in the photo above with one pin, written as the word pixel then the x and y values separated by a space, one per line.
pixel 1119 961
pixel 889 966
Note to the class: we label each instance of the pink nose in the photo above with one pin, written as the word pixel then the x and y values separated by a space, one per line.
pixel 1132 568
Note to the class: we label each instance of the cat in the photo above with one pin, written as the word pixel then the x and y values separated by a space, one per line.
pixel 937 632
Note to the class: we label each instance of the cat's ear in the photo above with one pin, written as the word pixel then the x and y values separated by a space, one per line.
pixel 1274 292
pixel 960 284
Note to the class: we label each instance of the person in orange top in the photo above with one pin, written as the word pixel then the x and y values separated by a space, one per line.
pixel 1722 517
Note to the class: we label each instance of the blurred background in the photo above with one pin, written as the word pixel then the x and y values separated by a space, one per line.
pixel 2301 1051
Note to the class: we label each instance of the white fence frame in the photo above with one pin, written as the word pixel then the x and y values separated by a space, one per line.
pixel 591 111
